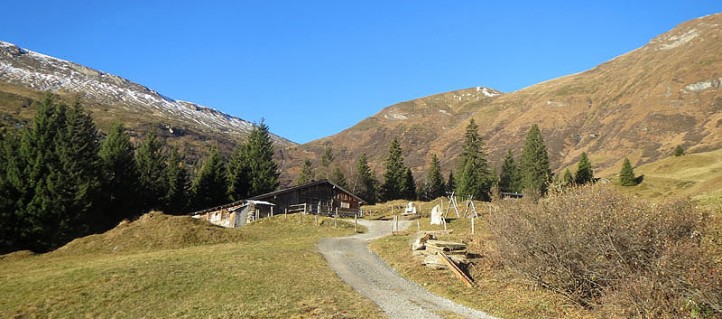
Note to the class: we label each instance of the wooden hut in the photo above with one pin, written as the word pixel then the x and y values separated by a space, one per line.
pixel 317 197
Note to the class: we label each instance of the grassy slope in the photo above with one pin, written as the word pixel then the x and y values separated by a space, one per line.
pixel 269 269
pixel 695 175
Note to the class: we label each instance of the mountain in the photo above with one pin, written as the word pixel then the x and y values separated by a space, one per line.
pixel 26 76
pixel 639 105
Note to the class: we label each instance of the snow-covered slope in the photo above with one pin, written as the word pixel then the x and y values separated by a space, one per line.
pixel 25 68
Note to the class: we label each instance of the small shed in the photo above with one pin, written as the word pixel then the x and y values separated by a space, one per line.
pixel 235 214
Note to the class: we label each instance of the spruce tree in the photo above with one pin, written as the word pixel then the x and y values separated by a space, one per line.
pixel 210 185
pixel 509 177
pixel 326 160
pixel 435 186
pixel 263 171
pixel 366 181
pixel 77 149
pixel 8 192
pixel 151 159
pixel 678 151
pixel 568 179
pixel 239 173
pixel 339 178
pixel 626 175
pixel 306 174
pixel 535 164
pixel 450 183
pixel 176 197
pixel 120 186
pixel 409 186
pixel 395 176
pixel 473 176
pixel 55 176
pixel 585 174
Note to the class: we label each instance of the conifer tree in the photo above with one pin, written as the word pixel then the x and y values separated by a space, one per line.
pixel 626 175
pixel 473 176
pixel 585 174
pixel 59 177
pixel 568 179
pixel 451 183
pixel 306 174
pixel 535 170
pixel 239 174
pixel 326 160
pixel 395 176
pixel 435 186
pixel 120 178
pixel 339 178
pixel 8 192
pixel 176 197
pixel 263 171
pixel 409 186
pixel 366 181
pixel 150 160
pixel 209 186
pixel 79 164
pixel 678 151
pixel 509 177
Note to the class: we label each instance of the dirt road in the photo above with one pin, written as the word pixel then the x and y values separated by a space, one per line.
pixel 351 258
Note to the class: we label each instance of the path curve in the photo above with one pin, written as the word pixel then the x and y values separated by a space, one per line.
pixel 368 274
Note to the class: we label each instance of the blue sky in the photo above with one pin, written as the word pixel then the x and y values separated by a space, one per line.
pixel 313 68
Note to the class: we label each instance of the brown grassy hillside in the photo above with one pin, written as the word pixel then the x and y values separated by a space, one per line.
pixel 641 105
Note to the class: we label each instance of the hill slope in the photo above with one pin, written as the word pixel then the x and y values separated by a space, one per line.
pixel 25 76
pixel 641 105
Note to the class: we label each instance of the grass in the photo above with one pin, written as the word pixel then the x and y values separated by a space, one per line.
pixel 268 269
pixel 696 175
pixel 499 291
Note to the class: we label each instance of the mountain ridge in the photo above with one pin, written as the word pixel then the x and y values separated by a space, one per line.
pixel 641 105
pixel 21 68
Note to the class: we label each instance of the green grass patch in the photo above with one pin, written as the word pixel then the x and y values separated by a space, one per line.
pixel 268 269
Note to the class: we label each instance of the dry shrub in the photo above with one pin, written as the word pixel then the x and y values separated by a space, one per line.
pixel 598 247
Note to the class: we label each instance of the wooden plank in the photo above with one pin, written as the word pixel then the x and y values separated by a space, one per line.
pixel 446 245
pixel 455 269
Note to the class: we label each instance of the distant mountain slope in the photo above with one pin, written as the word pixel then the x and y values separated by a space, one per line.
pixel 640 105
pixel 25 74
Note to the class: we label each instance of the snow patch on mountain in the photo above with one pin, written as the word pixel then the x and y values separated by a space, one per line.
pixel 23 67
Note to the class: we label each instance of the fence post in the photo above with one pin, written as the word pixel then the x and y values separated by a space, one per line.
pixel 472 226
pixel 285 213
pixel 271 211
pixel 315 219
pixel 355 223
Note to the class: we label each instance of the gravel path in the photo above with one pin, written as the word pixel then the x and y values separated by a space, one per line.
pixel 354 262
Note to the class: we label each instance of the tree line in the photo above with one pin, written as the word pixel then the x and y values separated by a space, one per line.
pixel 530 174
pixel 60 178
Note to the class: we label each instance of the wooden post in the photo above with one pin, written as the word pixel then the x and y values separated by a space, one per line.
pixel 335 217
pixel 318 208
pixel 355 223
pixel 271 211
pixel 472 226
pixel 397 223
pixel 285 213
pixel 315 219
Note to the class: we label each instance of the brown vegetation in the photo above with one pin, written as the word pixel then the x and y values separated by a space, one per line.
pixel 618 255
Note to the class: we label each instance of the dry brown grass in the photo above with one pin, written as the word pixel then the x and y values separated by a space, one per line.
pixel 617 255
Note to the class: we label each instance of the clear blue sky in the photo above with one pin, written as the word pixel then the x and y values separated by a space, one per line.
pixel 313 68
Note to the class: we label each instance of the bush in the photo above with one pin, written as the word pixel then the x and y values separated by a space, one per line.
pixel 615 253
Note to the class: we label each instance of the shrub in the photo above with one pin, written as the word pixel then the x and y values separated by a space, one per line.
pixel 597 247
